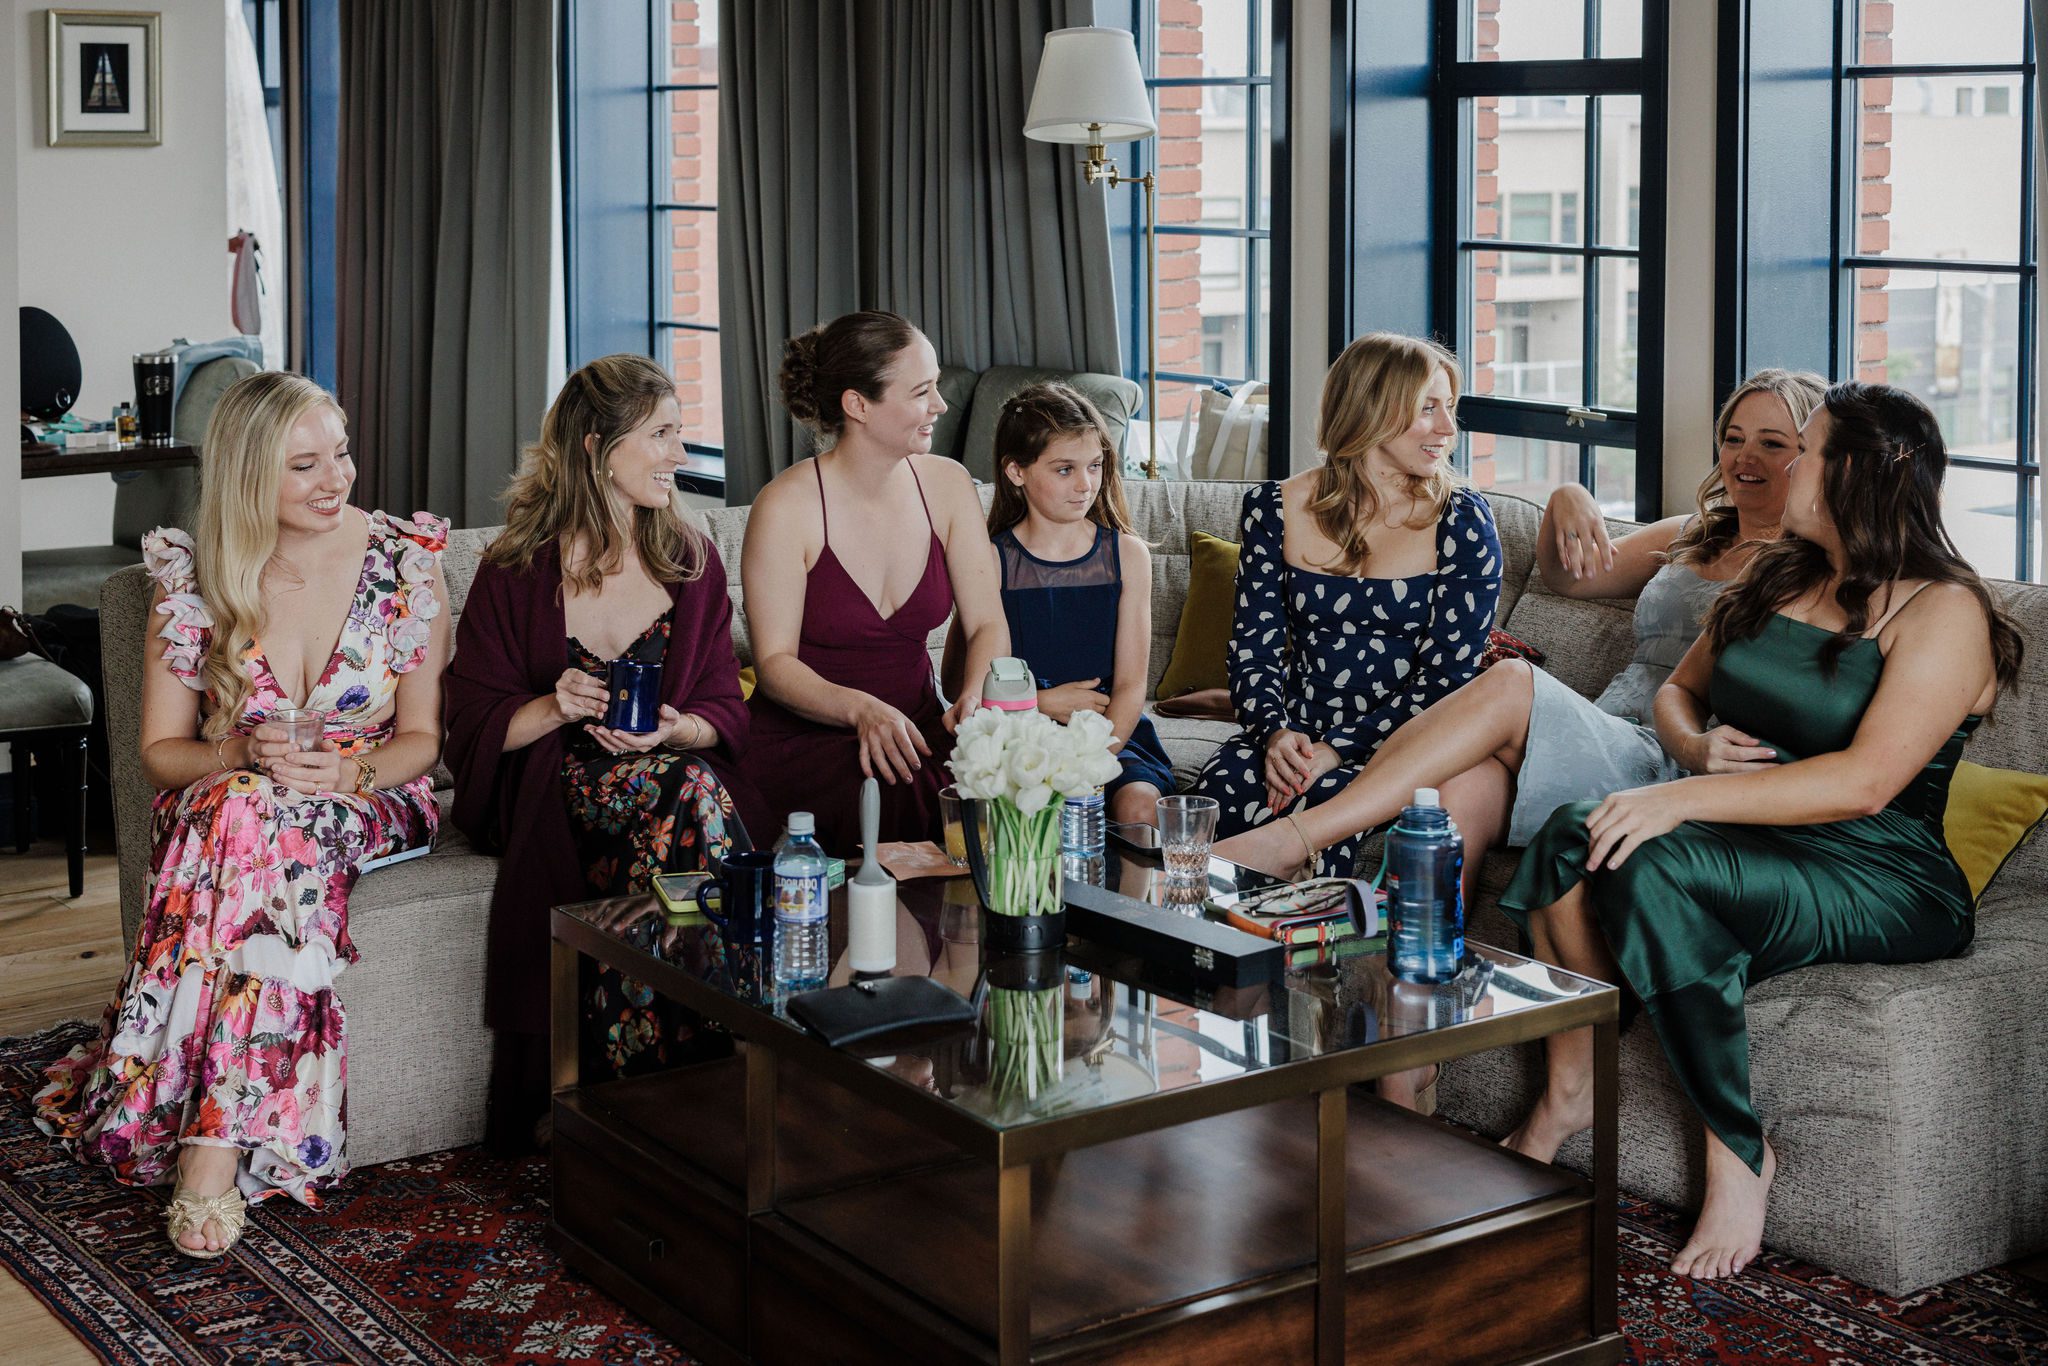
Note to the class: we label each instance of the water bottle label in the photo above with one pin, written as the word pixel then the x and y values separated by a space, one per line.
pixel 800 898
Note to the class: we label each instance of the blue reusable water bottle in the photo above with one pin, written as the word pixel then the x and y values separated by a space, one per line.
pixel 1425 898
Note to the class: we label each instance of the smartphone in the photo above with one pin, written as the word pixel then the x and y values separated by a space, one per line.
pixel 1141 836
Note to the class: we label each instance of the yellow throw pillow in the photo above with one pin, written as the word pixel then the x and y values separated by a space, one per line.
pixel 1201 643
pixel 747 683
pixel 1990 811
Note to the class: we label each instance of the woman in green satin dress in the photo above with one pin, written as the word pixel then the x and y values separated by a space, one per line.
pixel 1864 651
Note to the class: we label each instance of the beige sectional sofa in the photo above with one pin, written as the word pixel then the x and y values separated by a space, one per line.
pixel 1909 1104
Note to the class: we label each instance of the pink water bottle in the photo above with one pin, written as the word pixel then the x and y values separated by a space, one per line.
pixel 1009 685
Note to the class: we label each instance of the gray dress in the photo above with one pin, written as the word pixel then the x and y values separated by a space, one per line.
pixel 1582 751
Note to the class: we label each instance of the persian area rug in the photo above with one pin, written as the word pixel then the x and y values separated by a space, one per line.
pixel 444 1259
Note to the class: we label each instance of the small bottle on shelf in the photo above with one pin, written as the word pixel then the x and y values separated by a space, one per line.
pixel 124 423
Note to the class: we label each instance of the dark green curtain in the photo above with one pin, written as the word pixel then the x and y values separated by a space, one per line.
pixel 873 156
pixel 444 245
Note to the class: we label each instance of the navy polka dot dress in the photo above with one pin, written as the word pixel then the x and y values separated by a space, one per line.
pixel 1345 660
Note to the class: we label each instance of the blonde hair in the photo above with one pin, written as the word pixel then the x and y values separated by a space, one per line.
pixel 1371 396
pixel 1717 528
pixel 561 493
pixel 247 440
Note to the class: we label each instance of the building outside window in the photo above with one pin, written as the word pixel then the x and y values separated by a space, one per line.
pixel 1542 125
pixel 1937 259
pixel 684 195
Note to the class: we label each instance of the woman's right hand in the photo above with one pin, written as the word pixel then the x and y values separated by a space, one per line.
pixel 1083 694
pixel 1578 531
pixel 1290 765
pixel 1725 749
pixel 579 697
pixel 268 743
pixel 889 743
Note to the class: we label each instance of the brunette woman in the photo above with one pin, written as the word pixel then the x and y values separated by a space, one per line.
pixel 223 1058
pixel 853 558
pixel 1862 651
pixel 599 561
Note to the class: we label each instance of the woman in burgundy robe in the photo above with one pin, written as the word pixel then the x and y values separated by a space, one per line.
pixel 576 810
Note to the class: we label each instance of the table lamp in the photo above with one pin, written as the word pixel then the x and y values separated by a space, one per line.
pixel 1090 92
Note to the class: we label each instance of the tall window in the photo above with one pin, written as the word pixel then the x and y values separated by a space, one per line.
pixel 1209 64
pixel 684 196
pixel 1546 113
pixel 1936 270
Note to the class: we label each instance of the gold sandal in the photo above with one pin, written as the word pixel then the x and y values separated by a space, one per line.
pixel 189 1213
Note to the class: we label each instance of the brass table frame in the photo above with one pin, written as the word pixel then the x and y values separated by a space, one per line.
pixel 774 1042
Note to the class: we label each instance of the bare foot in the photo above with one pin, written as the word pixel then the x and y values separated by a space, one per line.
pixel 1731 1228
pixel 1271 848
pixel 1559 1114
pixel 1411 1089
pixel 206 1169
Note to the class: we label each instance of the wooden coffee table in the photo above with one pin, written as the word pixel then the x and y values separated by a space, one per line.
pixel 1202 1182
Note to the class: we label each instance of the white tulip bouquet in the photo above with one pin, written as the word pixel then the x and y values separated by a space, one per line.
pixel 1022 765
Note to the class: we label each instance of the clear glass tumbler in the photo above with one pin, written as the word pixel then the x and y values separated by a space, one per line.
pixel 303 726
pixel 1187 827
pixel 953 814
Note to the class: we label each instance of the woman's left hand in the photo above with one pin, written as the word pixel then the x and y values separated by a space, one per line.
pixel 313 772
pixel 1628 820
pixel 628 742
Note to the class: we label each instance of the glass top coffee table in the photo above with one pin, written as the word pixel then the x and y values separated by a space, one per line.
pixel 1107 1162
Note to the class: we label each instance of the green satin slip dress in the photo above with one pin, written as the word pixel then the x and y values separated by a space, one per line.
pixel 1697 915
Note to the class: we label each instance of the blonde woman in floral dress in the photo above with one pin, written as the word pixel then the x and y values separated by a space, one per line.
pixel 222 1060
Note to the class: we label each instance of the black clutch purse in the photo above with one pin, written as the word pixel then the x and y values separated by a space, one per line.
pixel 886 1005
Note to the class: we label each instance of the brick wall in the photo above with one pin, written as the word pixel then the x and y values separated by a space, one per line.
pixel 1178 163
pixel 1874 195
pixel 1481 446
pixel 693 237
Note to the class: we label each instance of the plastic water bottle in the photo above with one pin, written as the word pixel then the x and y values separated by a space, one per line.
pixel 802 944
pixel 1084 831
pixel 1425 898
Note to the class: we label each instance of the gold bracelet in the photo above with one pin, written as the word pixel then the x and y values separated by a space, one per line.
pixel 220 759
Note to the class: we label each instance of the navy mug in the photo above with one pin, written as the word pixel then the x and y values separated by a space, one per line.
pixel 635 688
pixel 745 883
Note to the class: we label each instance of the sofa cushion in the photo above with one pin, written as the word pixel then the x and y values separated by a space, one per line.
pixel 37 695
pixel 1990 811
pixel 1115 397
pixel 1201 643
pixel 956 387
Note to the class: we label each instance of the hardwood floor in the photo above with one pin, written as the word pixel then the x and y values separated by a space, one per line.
pixel 61 959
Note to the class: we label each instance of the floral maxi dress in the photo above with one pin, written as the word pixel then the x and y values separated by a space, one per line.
pixel 227 1029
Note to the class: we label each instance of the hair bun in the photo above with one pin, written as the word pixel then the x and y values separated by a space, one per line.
pixel 799 379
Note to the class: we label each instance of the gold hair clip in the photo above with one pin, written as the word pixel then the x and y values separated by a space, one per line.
pixel 1906 454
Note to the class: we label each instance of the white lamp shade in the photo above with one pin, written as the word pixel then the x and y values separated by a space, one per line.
pixel 1089 76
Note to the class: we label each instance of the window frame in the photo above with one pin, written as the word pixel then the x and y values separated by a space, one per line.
pixel 1831 340
pixel 1455 80
pixel 1266 147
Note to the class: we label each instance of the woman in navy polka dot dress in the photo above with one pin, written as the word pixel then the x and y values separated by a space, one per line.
pixel 1365 590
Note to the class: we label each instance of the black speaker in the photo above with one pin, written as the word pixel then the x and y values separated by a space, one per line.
pixel 50 371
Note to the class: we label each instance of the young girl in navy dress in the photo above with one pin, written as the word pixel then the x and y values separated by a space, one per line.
pixel 1365 591
pixel 1077 582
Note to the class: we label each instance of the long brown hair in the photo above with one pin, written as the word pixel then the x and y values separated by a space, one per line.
pixel 1881 472
pixel 1371 396
pixel 1032 421
pixel 1718 527
pixel 561 493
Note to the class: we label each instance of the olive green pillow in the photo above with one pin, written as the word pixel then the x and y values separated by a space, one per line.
pixel 1201 643
pixel 1990 812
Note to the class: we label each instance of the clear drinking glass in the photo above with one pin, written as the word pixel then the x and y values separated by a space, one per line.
pixel 303 726
pixel 953 814
pixel 1187 827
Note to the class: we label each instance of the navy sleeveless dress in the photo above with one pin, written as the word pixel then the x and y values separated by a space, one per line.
pixel 1062 616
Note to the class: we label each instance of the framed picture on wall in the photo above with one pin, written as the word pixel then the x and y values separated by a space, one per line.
pixel 105 78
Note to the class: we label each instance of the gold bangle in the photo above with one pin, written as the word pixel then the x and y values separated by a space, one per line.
pixel 220 758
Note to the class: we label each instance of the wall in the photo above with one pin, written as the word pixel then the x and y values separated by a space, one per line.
pixel 1309 130
pixel 10 365
pixel 1689 254
pixel 127 246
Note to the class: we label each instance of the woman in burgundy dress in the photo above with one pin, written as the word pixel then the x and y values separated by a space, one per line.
pixel 852 559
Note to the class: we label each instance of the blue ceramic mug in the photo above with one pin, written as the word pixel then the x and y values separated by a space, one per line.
pixel 635 688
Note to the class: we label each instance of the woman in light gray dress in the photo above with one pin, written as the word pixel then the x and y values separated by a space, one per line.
pixel 1514 744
